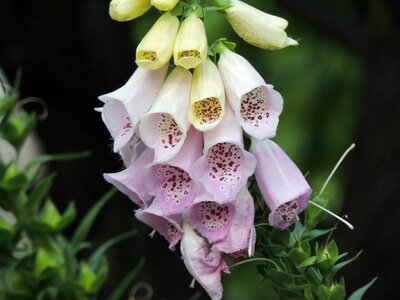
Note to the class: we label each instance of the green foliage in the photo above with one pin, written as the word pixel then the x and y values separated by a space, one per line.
pixel 36 260
pixel 302 261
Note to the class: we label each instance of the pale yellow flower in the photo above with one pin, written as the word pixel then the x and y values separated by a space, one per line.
pixel 126 10
pixel 164 5
pixel 257 27
pixel 156 48
pixel 191 46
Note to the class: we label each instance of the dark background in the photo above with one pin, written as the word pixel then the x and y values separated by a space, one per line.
pixel 341 85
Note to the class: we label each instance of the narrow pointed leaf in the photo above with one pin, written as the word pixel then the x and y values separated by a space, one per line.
pixel 96 256
pixel 126 282
pixel 357 295
pixel 56 157
pixel 84 227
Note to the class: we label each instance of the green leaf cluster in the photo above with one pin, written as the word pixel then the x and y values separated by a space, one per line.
pixel 303 261
pixel 36 260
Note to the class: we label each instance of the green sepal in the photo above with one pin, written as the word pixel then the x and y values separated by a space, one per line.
pixel 218 46
pixel 179 9
pixel 337 293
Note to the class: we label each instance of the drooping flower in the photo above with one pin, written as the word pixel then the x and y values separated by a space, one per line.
pixel 257 27
pixel 131 151
pixel 228 227
pixel 256 104
pixel 207 97
pixel 125 106
pixel 204 264
pixel 283 186
pixel 164 5
pixel 131 181
pixel 156 48
pixel 168 227
pixel 170 181
pixel 191 46
pixel 165 126
pixel 224 168
pixel 126 10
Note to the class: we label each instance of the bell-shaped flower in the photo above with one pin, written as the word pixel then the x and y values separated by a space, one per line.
pixel 284 188
pixel 257 27
pixel 191 46
pixel 124 107
pixel 170 181
pixel 168 227
pixel 156 48
pixel 224 168
pixel 240 239
pixel 165 126
pixel 164 5
pixel 131 151
pixel 126 10
pixel 257 105
pixel 204 264
pixel 228 227
pixel 207 97
pixel 131 181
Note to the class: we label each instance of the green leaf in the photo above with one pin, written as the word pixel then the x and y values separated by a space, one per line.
pixel 281 279
pixel 313 214
pixel 281 236
pixel 127 281
pixel 56 157
pixel 357 295
pixel 68 217
pixel 83 229
pixel 222 3
pixel 298 255
pixel 12 179
pixel 315 233
pixel 337 293
pixel 86 278
pixel 332 250
pixel 40 192
pixel 96 256
pixel 307 262
pixel 346 262
pixel 178 9
pixel 308 293
pixel 51 215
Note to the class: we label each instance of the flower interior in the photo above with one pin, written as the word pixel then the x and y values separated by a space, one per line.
pixel 169 133
pixel 213 220
pixel 254 107
pixel 176 190
pixel 224 161
pixel 285 214
pixel 207 110
pixel 189 53
pixel 147 55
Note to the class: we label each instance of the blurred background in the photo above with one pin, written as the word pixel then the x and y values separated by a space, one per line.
pixel 340 85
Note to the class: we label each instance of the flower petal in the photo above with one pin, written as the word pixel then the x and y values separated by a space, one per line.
pixel 164 5
pixel 225 167
pixel 257 105
pixel 131 181
pixel 283 186
pixel 191 46
pixel 165 126
pixel 126 10
pixel 168 227
pixel 203 264
pixel 155 50
pixel 207 97
pixel 170 181
pixel 240 238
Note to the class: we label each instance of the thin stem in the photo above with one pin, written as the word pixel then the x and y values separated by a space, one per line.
pixel 336 166
pixel 261 224
pixel 332 214
pixel 255 259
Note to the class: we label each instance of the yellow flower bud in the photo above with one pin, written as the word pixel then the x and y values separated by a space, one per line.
pixel 155 50
pixel 257 27
pixel 126 10
pixel 207 97
pixel 191 47
pixel 164 5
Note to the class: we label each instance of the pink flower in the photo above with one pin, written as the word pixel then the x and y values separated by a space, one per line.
pixel 131 181
pixel 165 126
pixel 125 106
pixel 224 168
pixel 256 104
pixel 170 181
pixel 169 227
pixel 283 186
pixel 227 226
pixel 204 264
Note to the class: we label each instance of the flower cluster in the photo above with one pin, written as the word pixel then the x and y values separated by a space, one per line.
pixel 182 144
